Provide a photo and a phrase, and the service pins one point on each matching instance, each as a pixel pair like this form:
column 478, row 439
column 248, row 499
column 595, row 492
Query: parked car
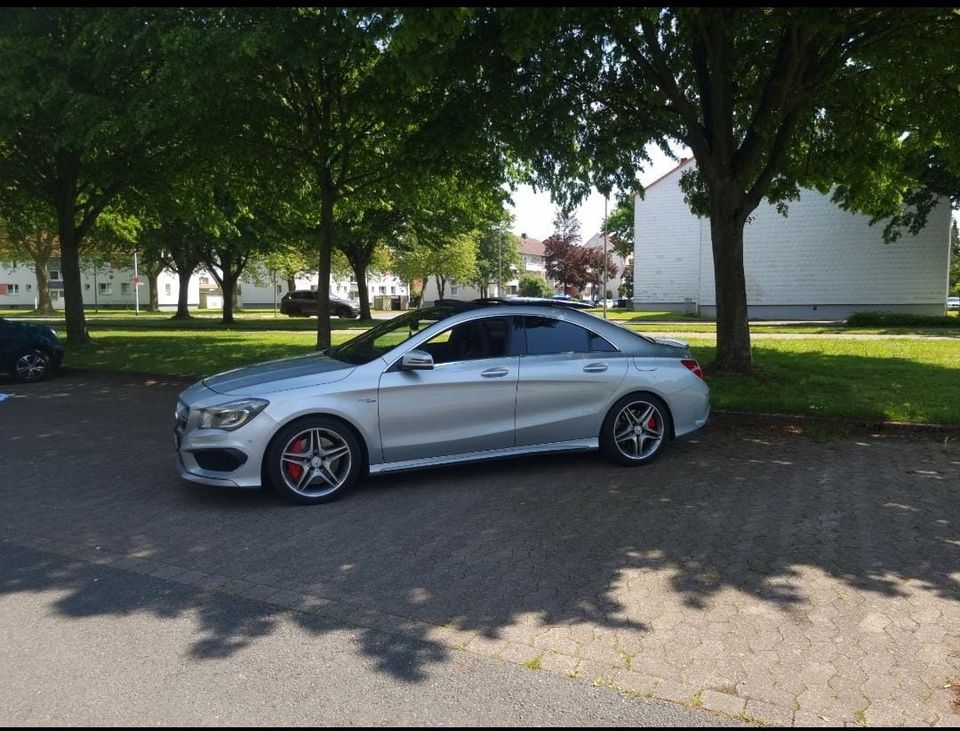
column 29, row 352
column 303, row 303
column 953, row 303
column 570, row 301
column 446, row 384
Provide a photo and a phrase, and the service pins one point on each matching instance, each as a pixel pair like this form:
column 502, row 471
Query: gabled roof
column 683, row 163
column 531, row 246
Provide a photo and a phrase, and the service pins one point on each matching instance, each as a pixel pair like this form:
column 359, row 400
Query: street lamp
column 603, row 286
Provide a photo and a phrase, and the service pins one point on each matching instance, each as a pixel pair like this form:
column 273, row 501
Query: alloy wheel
column 638, row 430
column 316, row 462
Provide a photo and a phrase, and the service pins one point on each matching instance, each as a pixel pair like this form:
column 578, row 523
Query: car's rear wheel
column 636, row 429
column 314, row 460
column 31, row 365
column 294, row 312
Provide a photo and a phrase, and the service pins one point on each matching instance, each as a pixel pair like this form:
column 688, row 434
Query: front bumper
column 245, row 446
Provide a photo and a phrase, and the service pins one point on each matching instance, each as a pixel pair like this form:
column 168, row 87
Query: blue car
column 29, row 352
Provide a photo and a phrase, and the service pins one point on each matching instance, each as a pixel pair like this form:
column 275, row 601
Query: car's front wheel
column 31, row 365
column 314, row 460
column 636, row 429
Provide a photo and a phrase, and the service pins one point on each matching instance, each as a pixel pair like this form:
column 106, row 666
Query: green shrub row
column 901, row 319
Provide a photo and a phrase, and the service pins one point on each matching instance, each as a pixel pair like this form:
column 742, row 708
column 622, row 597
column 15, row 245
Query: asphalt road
column 80, row 649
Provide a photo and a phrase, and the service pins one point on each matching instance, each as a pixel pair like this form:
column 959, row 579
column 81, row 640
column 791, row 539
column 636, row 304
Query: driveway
column 761, row 575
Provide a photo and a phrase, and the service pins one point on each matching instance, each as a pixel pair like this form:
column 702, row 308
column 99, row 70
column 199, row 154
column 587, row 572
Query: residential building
column 818, row 262
column 615, row 277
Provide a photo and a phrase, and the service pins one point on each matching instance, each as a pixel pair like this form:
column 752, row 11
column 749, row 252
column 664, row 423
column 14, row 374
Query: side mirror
column 416, row 360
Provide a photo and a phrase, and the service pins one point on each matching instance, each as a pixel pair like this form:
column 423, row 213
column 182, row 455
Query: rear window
column 546, row 336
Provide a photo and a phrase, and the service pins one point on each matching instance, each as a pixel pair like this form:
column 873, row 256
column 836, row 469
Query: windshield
column 385, row 337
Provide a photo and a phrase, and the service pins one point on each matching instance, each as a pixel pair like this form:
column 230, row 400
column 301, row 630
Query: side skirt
column 574, row 445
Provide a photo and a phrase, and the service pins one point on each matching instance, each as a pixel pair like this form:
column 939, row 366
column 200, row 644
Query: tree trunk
column 183, row 306
column 360, row 272
column 733, row 328
column 291, row 284
column 441, row 285
column 152, row 279
column 326, row 249
column 44, row 303
column 483, row 291
column 70, row 269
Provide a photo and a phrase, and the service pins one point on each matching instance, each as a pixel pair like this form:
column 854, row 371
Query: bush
column 900, row 319
column 533, row 286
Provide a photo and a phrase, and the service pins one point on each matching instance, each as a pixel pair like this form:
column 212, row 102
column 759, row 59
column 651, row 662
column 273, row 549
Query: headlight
column 232, row 415
column 182, row 412
column 56, row 335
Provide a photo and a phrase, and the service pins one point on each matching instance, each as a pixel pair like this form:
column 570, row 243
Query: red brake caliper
column 293, row 469
column 652, row 423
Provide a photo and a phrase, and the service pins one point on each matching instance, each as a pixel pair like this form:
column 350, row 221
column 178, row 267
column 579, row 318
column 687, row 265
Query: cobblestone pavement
column 756, row 574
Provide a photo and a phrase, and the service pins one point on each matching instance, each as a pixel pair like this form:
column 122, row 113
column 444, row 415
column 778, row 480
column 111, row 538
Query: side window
column 488, row 338
column 600, row 345
column 546, row 336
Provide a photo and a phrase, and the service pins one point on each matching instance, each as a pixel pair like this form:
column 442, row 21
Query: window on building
column 86, row 286
column 29, row 287
column 9, row 288
column 204, row 280
column 383, row 289
column 454, row 289
column 55, row 274
column 167, row 289
column 106, row 288
column 393, row 290
column 124, row 288
column 511, row 289
column 56, row 294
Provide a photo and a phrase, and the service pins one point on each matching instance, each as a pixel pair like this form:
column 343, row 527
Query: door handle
column 595, row 368
column 495, row 372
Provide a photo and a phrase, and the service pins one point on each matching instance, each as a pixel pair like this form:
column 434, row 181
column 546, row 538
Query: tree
column 749, row 90
column 619, row 227
column 565, row 259
column 597, row 264
column 498, row 253
column 454, row 260
column 625, row 291
column 27, row 234
column 82, row 121
column 533, row 286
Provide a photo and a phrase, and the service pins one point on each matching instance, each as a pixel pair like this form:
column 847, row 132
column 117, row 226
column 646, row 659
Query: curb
column 756, row 418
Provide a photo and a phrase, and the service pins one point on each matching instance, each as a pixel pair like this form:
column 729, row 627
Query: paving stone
column 768, row 713
column 723, row 702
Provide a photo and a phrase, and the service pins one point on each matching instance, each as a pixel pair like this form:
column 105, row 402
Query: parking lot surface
column 755, row 574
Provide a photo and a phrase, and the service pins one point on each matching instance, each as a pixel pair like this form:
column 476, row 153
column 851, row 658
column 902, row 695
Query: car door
column 568, row 376
column 465, row 403
column 8, row 333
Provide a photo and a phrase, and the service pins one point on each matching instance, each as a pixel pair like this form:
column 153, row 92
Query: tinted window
column 472, row 340
column 546, row 335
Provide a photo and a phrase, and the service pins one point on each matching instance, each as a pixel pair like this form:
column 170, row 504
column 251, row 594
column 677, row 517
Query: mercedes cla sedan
column 436, row 386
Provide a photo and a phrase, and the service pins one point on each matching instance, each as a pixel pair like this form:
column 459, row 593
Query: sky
column 534, row 212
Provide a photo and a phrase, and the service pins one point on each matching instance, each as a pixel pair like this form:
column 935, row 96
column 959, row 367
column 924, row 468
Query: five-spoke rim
column 31, row 366
column 638, row 429
column 315, row 462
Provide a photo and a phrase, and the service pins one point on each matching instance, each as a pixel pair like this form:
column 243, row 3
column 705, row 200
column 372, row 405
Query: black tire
column 31, row 365
column 640, row 450
column 294, row 312
column 290, row 476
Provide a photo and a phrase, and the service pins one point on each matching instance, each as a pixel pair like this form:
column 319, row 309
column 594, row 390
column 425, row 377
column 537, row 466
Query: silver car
column 437, row 386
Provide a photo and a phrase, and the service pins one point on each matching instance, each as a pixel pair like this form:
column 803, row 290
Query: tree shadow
column 497, row 551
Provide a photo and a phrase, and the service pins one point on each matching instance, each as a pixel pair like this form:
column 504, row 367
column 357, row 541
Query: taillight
column 693, row 366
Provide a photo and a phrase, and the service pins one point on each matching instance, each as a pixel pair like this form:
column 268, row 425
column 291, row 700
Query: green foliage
column 620, row 227
column 498, row 253
column 533, row 286
column 900, row 319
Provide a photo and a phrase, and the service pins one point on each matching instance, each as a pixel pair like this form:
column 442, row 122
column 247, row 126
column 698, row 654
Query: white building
column 112, row 286
column 819, row 262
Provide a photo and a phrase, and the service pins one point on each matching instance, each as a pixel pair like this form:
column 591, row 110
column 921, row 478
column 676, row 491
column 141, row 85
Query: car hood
column 280, row 375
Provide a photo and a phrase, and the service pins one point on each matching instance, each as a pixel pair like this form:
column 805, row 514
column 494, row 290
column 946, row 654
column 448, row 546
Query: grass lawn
column 895, row 379
column 884, row 380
